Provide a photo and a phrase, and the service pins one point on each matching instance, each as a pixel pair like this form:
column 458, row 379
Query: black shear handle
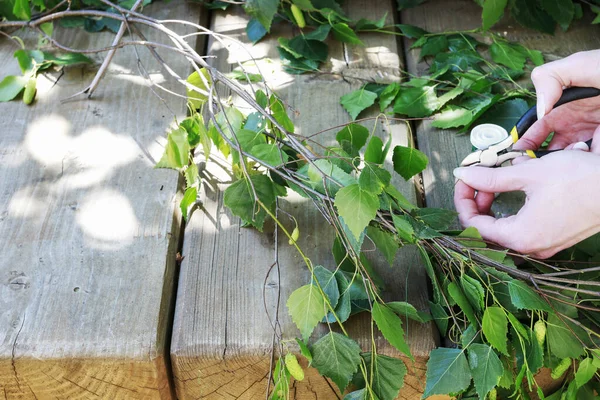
column 569, row 95
column 529, row 118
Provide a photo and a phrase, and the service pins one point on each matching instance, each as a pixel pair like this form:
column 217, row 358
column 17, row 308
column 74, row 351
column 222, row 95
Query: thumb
column 493, row 180
column 576, row 70
column 548, row 87
column 595, row 148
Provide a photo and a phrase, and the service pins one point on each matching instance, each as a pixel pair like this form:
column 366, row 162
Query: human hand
column 573, row 122
column 561, row 209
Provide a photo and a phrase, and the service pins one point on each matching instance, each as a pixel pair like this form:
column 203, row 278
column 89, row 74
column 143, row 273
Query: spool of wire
column 485, row 135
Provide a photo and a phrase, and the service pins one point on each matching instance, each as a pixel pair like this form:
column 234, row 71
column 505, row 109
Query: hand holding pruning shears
column 562, row 187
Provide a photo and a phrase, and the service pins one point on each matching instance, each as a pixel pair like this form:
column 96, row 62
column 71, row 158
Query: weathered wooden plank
column 444, row 148
column 89, row 230
column 222, row 336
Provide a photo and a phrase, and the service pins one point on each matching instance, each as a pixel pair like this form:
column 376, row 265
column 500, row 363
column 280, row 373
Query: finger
column 558, row 143
column 579, row 146
column 595, row 148
column 520, row 160
column 484, row 201
column 535, row 136
column 494, row 180
column 575, row 70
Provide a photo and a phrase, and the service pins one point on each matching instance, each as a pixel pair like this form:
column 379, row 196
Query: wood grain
column 222, row 336
column 89, row 230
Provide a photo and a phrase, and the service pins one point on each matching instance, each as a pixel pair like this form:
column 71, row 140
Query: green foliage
column 306, row 305
column 357, row 206
column 337, row 357
column 390, row 326
column 485, row 367
column 31, row 62
column 495, row 328
column 447, row 372
column 386, row 375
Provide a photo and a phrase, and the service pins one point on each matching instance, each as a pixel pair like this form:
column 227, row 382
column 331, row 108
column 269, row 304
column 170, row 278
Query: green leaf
column 336, row 357
column 314, row 50
column 452, row 117
column 191, row 175
column 367, row 24
column 247, row 140
column 240, row 199
column 562, row 11
column 457, row 295
column 177, row 150
column 386, row 375
column 66, row 58
column 328, row 283
column 22, row 10
column 352, row 138
column 434, row 45
column 262, row 10
column 357, row 101
column 447, row 372
column 203, row 136
column 416, row 101
column 196, row 98
column 407, row 310
column 404, row 229
column 320, row 33
column 255, row 30
column 522, row 296
column 408, row 161
column 388, row 95
column 492, row 12
column 597, row 11
column 411, row 31
column 473, row 291
column 304, row 350
column 279, row 113
column 11, row 86
column 505, row 114
column 245, row 77
column 440, row 317
column 343, row 307
column 385, row 243
column 585, row 372
column 189, row 199
column 373, row 178
column 360, row 394
column 530, row 15
column 486, row 368
column 24, row 59
column 306, row 306
column 439, row 219
column 495, row 328
column 503, row 53
column 390, row 326
column 344, row 33
column 270, row 154
column 325, row 168
column 358, row 207
column 374, row 151
column 400, row 198
column 560, row 338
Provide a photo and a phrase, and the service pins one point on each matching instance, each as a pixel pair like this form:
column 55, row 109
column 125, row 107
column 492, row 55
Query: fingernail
column 458, row 173
column 581, row 146
column 541, row 106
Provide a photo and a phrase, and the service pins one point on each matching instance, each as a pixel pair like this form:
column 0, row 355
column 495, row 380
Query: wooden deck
column 89, row 231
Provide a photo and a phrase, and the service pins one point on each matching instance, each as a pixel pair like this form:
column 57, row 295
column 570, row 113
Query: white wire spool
column 485, row 135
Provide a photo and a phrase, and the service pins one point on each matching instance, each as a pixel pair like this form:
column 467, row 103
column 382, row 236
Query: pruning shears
column 496, row 154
